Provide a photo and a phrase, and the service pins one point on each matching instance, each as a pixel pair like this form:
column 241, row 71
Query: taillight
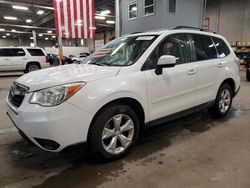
column 237, row 61
column 47, row 58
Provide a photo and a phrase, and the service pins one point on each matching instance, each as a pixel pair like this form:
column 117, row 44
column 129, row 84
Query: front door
column 175, row 89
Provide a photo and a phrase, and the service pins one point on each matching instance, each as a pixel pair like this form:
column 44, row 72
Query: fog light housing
column 48, row 144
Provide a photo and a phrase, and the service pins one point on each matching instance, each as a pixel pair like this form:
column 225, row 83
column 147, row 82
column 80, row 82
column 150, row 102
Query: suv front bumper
column 50, row 128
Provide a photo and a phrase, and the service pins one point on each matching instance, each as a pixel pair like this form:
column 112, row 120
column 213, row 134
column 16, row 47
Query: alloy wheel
column 225, row 100
column 33, row 68
column 118, row 134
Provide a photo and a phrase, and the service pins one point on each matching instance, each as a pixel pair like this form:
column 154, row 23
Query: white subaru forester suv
column 132, row 82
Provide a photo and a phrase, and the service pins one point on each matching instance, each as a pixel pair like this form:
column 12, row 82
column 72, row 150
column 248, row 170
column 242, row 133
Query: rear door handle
column 220, row 65
column 6, row 59
column 191, row 72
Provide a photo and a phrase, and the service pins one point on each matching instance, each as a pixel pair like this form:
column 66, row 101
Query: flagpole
column 117, row 18
column 60, row 53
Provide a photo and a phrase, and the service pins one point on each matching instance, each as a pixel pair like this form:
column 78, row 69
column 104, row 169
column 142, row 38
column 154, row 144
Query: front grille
column 17, row 94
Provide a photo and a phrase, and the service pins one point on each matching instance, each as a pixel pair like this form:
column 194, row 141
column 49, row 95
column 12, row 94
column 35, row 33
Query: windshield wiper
column 98, row 64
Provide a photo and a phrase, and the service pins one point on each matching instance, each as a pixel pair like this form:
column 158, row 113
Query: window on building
column 35, row 52
column 132, row 11
column 172, row 6
column 204, row 47
column 149, row 7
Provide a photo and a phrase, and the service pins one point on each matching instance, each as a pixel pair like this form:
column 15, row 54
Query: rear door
column 5, row 59
column 19, row 59
column 207, row 66
column 38, row 55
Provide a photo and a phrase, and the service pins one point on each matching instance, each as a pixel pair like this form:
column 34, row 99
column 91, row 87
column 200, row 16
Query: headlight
column 55, row 95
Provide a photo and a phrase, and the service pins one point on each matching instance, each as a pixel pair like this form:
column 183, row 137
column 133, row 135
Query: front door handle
column 220, row 65
column 191, row 72
column 6, row 59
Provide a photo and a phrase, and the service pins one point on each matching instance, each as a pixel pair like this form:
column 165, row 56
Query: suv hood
column 66, row 74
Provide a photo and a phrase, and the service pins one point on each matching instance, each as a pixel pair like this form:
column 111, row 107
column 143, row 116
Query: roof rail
column 194, row 28
column 136, row 32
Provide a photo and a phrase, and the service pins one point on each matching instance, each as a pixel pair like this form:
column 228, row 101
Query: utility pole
column 117, row 18
column 205, row 8
column 34, row 38
column 20, row 40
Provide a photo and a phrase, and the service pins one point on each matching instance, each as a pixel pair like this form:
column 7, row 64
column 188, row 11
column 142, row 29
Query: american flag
column 74, row 19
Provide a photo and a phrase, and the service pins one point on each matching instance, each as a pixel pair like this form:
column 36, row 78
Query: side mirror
column 165, row 61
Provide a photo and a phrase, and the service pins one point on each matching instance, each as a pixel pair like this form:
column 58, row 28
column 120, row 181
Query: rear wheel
column 223, row 101
column 114, row 131
column 32, row 67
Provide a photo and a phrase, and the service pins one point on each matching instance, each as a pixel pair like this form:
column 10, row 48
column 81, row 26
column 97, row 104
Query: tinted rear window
column 36, row 52
column 5, row 52
column 204, row 47
column 17, row 52
column 221, row 46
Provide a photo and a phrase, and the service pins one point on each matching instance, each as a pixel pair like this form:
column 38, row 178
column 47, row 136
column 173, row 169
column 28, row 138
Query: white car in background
column 80, row 58
column 131, row 83
column 24, row 59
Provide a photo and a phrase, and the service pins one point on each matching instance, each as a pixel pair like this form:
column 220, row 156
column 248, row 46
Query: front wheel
column 114, row 131
column 223, row 101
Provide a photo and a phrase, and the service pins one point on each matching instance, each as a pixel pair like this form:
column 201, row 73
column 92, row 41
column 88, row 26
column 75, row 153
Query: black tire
column 96, row 143
column 32, row 67
column 248, row 74
column 216, row 109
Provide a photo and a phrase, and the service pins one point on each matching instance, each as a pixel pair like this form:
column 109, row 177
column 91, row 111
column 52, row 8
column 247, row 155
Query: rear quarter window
column 221, row 46
column 36, row 52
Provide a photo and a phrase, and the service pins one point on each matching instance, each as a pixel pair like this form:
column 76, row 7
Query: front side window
column 121, row 52
column 36, row 52
column 204, row 47
column 149, row 6
column 221, row 46
column 176, row 45
column 17, row 52
column 132, row 11
column 172, row 6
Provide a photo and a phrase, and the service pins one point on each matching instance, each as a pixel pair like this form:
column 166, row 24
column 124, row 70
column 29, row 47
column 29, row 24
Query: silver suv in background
column 24, row 59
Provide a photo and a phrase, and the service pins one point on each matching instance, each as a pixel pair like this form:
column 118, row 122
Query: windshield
column 121, row 52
